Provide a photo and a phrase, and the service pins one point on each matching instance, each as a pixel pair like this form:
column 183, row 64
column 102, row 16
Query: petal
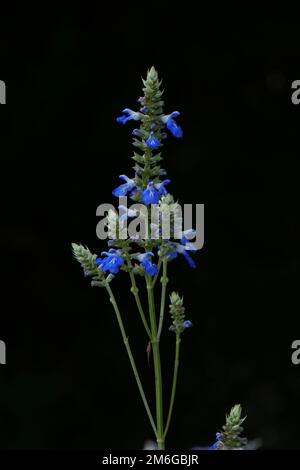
column 125, row 178
column 174, row 129
column 189, row 259
column 121, row 190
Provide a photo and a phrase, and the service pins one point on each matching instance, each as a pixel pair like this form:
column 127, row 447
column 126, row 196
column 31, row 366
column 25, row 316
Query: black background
column 69, row 72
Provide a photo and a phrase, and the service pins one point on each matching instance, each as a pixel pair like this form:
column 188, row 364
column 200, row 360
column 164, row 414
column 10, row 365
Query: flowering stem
column 176, row 365
column 132, row 362
column 157, row 366
column 164, row 281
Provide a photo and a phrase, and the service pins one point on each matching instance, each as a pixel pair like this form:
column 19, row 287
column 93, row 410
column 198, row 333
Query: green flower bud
column 88, row 264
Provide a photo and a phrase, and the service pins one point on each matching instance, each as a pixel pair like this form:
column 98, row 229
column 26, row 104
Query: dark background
column 69, row 72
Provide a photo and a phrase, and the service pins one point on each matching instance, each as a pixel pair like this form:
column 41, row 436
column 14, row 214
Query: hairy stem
column 164, row 281
column 157, row 366
column 135, row 291
column 176, row 365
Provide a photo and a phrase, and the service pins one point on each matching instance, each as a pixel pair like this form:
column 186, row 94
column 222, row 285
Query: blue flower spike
column 177, row 311
column 141, row 255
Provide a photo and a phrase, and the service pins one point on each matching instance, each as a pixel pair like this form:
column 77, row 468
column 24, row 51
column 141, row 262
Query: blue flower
column 218, row 443
column 152, row 142
column 154, row 191
column 172, row 125
column 188, row 258
column 215, row 446
column 185, row 324
column 136, row 116
column 161, row 187
column 182, row 248
column 150, row 195
column 123, row 189
column 112, row 262
column 148, row 266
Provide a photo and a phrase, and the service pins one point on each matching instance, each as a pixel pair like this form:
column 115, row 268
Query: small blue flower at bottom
column 147, row 264
column 185, row 324
column 218, row 444
column 131, row 115
column 215, row 446
column 152, row 142
column 171, row 125
column 123, row 189
column 112, row 261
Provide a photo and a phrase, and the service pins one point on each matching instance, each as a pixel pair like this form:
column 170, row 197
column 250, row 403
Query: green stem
column 176, row 364
column 158, row 267
column 164, row 281
column 157, row 366
column 135, row 291
column 132, row 362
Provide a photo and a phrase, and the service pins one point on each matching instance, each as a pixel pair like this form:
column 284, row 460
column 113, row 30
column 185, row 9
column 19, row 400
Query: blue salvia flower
column 172, row 125
column 150, row 195
column 123, row 189
column 182, row 248
column 129, row 115
column 152, row 142
column 112, row 261
column 147, row 264
column 161, row 187
column 215, row 446
column 154, row 191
